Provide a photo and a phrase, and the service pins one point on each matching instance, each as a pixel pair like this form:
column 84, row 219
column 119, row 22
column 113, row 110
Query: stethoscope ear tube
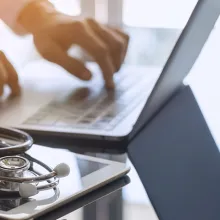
column 25, row 140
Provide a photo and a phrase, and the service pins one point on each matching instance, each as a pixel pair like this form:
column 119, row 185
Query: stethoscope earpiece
column 62, row 170
column 27, row 190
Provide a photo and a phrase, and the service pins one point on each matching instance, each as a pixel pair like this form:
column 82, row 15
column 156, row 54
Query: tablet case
column 178, row 162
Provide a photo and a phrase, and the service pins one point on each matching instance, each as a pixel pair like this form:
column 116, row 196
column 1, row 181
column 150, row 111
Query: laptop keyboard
column 102, row 110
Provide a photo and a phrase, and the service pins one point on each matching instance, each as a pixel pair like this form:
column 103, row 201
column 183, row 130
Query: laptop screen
column 181, row 59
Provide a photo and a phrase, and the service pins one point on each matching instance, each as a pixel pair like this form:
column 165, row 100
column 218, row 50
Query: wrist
column 35, row 15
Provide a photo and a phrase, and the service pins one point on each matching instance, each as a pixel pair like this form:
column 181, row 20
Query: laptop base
column 81, row 144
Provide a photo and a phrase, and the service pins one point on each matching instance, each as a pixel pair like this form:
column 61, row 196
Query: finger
column 12, row 76
column 121, row 33
column 52, row 52
column 116, row 43
column 3, row 77
column 125, row 37
column 100, row 52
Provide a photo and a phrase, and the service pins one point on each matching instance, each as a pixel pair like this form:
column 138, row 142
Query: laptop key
column 31, row 122
column 38, row 116
column 48, row 120
column 92, row 115
column 84, row 121
column 66, row 121
column 104, row 120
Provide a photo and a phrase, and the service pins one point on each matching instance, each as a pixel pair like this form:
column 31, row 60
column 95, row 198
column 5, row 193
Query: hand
column 8, row 76
column 54, row 33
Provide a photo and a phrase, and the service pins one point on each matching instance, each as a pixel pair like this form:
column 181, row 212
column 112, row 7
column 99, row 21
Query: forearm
column 9, row 12
column 36, row 14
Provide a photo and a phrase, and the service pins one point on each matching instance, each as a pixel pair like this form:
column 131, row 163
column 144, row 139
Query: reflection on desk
column 72, row 209
column 129, row 203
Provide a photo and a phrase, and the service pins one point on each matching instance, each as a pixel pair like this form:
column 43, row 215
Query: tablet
column 67, row 212
column 86, row 174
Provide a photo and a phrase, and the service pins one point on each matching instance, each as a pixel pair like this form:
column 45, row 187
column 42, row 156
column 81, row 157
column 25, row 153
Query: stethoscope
column 17, row 173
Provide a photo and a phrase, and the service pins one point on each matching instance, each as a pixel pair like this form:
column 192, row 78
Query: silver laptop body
column 53, row 103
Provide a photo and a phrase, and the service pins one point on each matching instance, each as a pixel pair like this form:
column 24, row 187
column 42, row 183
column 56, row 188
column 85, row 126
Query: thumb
column 3, row 77
column 10, row 74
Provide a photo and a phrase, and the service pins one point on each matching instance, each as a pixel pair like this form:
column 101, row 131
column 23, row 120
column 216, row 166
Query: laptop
column 89, row 115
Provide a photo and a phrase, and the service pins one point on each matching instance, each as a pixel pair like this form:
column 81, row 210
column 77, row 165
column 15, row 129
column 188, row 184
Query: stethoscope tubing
column 15, row 134
column 51, row 184
column 29, row 179
column 48, row 186
column 25, row 143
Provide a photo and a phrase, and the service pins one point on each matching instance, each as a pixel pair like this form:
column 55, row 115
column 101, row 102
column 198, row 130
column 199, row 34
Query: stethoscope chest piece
column 12, row 166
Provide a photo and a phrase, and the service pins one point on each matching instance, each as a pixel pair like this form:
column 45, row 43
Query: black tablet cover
column 178, row 162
